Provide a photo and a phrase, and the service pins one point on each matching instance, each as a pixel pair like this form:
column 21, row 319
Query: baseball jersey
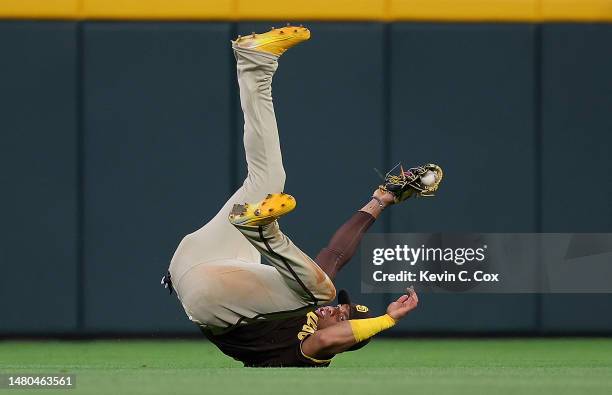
column 270, row 343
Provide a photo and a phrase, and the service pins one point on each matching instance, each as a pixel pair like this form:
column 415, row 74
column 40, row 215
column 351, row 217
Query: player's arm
column 338, row 338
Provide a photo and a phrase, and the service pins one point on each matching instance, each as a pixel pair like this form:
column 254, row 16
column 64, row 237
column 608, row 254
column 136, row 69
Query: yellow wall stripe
column 465, row 10
column 312, row 9
column 159, row 9
column 39, row 8
column 368, row 10
column 577, row 10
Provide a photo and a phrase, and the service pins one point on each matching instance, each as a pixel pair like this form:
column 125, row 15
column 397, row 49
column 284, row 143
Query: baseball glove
column 419, row 181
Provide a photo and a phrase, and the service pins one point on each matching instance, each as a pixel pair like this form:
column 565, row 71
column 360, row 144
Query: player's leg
column 218, row 239
column 257, row 222
column 297, row 269
column 256, row 62
column 222, row 285
column 222, row 293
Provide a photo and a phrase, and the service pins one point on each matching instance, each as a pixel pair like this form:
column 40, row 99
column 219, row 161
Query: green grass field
column 521, row 366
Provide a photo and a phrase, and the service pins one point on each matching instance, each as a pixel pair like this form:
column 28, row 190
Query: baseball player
column 277, row 314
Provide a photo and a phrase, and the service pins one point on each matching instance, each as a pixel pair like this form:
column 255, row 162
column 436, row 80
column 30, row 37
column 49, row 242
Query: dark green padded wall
column 157, row 159
column 577, row 165
column 161, row 151
column 577, row 128
column 462, row 96
column 38, row 177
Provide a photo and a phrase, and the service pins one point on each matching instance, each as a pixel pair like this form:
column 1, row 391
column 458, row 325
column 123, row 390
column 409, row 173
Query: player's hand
column 403, row 305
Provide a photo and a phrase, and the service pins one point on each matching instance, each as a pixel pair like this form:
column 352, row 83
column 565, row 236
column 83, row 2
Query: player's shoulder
column 308, row 325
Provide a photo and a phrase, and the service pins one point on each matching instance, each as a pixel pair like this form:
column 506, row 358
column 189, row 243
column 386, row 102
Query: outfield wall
column 120, row 137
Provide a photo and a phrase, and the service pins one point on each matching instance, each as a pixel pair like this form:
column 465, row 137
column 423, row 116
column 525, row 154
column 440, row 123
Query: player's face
column 332, row 315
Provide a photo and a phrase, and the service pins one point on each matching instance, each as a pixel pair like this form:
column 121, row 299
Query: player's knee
column 326, row 292
column 261, row 85
column 185, row 243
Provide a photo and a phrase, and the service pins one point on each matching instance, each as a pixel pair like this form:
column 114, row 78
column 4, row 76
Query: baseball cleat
column 418, row 181
column 276, row 41
column 268, row 210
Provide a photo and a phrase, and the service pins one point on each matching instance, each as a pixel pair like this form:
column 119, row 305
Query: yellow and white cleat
column 276, row 41
column 268, row 210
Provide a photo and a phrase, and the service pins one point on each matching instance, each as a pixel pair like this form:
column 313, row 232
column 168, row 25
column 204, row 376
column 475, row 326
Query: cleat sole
column 276, row 205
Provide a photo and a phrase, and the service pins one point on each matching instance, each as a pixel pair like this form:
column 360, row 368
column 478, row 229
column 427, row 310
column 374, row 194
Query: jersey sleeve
column 308, row 359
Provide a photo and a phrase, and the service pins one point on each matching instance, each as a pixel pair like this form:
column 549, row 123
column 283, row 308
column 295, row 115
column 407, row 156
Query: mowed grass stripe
column 499, row 366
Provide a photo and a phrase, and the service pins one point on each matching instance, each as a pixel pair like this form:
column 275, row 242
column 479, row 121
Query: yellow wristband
column 368, row 327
